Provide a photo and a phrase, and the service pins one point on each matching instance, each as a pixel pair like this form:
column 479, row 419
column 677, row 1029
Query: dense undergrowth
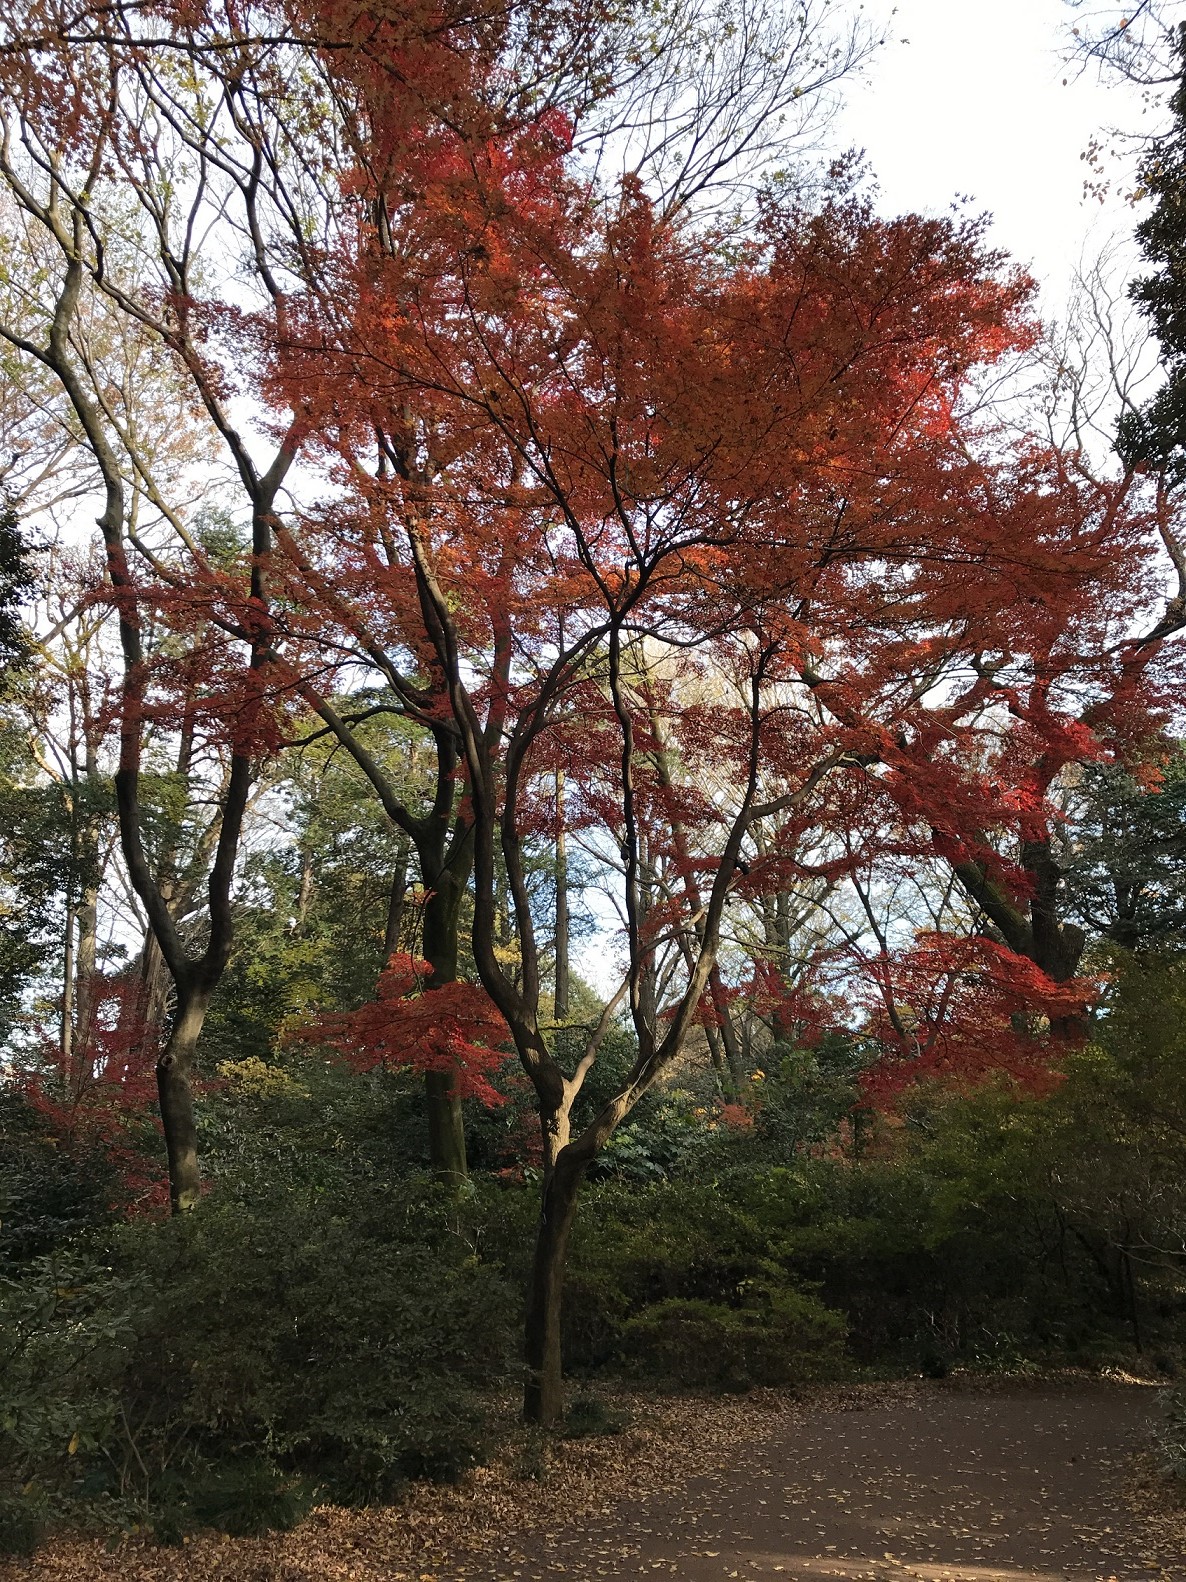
column 332, row 1322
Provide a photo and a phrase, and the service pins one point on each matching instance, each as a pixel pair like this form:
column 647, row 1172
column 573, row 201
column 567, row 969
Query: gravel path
column 942, row 1487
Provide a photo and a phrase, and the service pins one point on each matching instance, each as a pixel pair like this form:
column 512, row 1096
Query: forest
column 592, row 793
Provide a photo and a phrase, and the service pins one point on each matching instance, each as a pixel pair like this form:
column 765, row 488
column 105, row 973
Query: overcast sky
column 974, row 104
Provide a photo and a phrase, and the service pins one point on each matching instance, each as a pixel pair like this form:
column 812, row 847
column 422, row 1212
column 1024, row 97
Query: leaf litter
column 550, row 1506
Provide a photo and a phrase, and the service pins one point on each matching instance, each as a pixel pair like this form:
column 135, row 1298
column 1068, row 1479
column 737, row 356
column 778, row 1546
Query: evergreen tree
column 1156, row 434
column 15, row 581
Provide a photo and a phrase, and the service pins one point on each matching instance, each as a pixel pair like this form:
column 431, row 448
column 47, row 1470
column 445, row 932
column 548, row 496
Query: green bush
column 648, row 1265
column 68, row 1331
column 221, row 1368
column 47, row 1192
column 779, row 1337
column 588, row 1417
column 24, row 1520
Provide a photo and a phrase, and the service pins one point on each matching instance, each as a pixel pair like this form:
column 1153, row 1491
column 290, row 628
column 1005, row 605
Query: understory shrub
column 48, row 1192
column 677, row 1282
column 223, row 1368
column 779, row 1337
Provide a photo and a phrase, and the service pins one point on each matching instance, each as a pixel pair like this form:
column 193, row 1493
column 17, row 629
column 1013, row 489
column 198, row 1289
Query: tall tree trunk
column 152, row 1001
column 174, row 1078
column 396, row 899
column 543, row 1396
column 720, row 1003
column 717, row 1056
column 79, row 965
column 446, row 1127
column 86, row 967
column 560, row 1006
column 69, row 985
column 304, row 890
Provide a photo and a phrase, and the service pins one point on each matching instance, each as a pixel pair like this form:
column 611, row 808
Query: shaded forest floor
column 960, row 1481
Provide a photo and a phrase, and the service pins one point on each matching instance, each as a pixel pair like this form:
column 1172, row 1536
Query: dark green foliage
column 226, row 1367
column 778, row 1336
column 643, row 1264
column 48, row 857
column 667, row 1139
column 299, row 1122
column 68, row 1331
column 15, row 581
column 990, row 1231
column 1157, row 434
column 46, row 1193
column 245, row 1496
column 1125, row 877
column 24, row 1520
column 806, row 1095
column 588, row 1417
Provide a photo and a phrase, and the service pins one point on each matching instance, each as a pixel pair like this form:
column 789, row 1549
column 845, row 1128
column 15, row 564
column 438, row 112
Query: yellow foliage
column 253, row 1078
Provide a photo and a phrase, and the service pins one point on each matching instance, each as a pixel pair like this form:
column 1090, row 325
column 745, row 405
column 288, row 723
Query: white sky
column 973, row 105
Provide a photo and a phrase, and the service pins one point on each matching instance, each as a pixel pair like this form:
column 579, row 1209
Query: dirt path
column 942, row 1487
column 899, row 1482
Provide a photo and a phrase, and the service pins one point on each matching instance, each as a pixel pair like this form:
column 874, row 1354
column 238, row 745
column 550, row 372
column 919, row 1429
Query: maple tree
column 242, row 150
column 685, row 514
column 62, row 173
column 572, row 428
column 454, row 1030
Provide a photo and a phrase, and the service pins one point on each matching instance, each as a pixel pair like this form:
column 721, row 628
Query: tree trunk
column 446, row 1127
column 174, row 1078
column 69, row 985
column 560, row 1007
column 304, row 891
column 85, row 972
column 733, row 1059
column 152, row 999
column 543, row 1397
column 396, row 899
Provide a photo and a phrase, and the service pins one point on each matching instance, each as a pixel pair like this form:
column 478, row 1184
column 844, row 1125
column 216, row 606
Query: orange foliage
column 105, row 1102
column 957, row 1009
column 453, row 1029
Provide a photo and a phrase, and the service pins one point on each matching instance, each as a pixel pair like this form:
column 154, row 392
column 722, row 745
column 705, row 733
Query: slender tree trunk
column 66, row 1031
column 543, row 1398
column 153, row 994
column 717, row 1056
column 728, row 1032
column 304, row 891
column 446, row 1127
column 174, row 1077
column 85, row 969
column 396, row 898
column 560, row 1009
